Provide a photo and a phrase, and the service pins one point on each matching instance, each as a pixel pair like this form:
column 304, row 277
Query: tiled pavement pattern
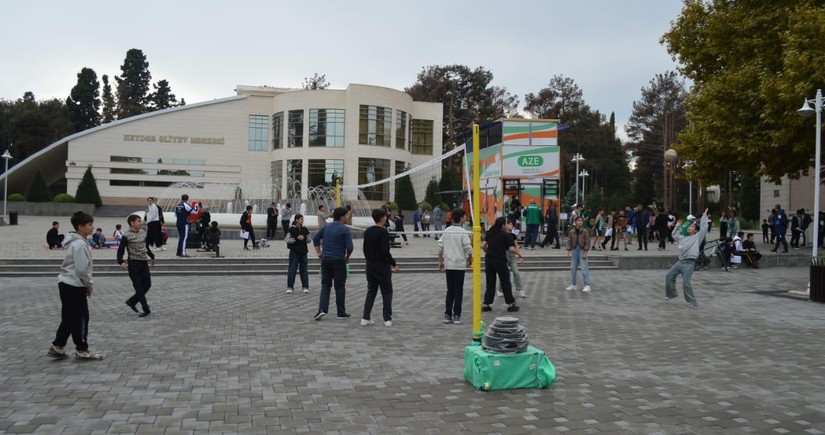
column 237, row 355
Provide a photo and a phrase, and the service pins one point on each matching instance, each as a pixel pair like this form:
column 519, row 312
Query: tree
column 748, row 197
column 133, row 85
column 652, row 127
column 84, row 101
column 405, row 194
column 316, row 82
column 109, row 104
column 594, row 200
column 32, row 125
column 431, row 195
column 87, row 192
column 38, row 191
column 162, row 98
column 751, row 64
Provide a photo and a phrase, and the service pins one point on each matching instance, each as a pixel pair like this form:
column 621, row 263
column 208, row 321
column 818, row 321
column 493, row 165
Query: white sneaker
column 162, row 248
column 289, row 291
column 388, row 323
column 571, row 287
column 365, row 322
column 499, row 294
column 586, row 288
column 522, row 294
column 306, row 290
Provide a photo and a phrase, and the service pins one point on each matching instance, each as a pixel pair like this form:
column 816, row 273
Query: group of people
column 97, row 240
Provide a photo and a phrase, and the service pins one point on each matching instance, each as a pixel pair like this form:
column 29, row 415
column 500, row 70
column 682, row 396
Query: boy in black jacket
column 137, row 243
column 380, row 266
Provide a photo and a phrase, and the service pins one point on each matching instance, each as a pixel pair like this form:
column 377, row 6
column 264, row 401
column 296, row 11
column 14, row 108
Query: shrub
column 87, row 192
column 16, row 197
column 63, row 197
column 393, row 205
column 426, row 206
column 38, row 191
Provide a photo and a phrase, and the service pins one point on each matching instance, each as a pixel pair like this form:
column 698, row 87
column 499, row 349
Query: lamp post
column 690, row 187
column 577, row 158
column 806, row 110
column 583, row 174
column 6, row 156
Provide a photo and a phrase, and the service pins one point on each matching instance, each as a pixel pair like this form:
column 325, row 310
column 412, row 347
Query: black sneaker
column 513, row 308
column 486, row 308
column 57, row 354
column 448, row 319
column 132, row 306
column 456, row 320
column 344, row 316
column 144, row 314
column 320, row 316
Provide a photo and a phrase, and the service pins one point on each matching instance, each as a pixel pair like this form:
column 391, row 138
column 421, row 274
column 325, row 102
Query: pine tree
column 163, row 98
column 84, row 101
column 405, row 194
column 133, row 85
column 432, row 196
column 38, row 191
column 317, row 81
column 87, row 192
column 109, row 104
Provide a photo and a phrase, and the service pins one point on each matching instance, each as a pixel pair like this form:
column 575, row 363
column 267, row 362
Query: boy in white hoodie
column 75, row 284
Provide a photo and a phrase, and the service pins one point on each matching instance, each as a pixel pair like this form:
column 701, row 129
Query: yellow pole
column 337, row 192
column 475, row 198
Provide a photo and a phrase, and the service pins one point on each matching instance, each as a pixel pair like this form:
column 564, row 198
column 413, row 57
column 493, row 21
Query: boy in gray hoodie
column 75, row 284
column 688, row 252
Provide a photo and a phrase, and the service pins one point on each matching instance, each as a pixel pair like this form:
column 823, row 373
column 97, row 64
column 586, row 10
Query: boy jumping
column 136, row 241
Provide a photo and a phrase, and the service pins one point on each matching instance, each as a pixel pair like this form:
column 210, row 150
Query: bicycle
column 705, row 255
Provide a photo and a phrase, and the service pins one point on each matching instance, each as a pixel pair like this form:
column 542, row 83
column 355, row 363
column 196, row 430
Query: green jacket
column 532, row 215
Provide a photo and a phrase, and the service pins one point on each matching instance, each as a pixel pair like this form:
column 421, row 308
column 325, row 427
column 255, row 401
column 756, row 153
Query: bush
column 393, row 205
column 63, row 197
column 87, row 192
column 16, row 197
column 426, row 206
column 38, row 191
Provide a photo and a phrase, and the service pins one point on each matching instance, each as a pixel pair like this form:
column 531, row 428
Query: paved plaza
column 238, row 355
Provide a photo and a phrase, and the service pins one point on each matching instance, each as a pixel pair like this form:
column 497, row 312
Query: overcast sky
column 204, row 48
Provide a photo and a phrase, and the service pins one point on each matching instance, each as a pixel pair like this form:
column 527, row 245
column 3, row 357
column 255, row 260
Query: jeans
column 379, row 275
column 297, row 261
column 532, row 235
column 512, row 263
column 780, row 238
column 333, row 270
column 455, row 292
column 141, row 281
column 495, row 267
column 577, row 257
column 74, row 317
column 685, row 268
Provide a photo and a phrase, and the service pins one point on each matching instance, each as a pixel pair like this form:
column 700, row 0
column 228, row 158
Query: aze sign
column 530, row 161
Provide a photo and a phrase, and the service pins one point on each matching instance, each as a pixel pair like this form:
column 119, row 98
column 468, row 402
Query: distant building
column 791, row 195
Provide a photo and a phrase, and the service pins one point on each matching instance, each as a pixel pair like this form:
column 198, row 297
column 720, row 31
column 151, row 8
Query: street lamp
column 577, row 158
column 688, row 164
column 6, row 156
column 806, row 110
column 583, row 174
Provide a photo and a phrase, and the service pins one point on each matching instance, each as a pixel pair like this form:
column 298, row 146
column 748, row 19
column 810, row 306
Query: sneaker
column 448, row 319
column 691, row 305
column 571, row 287
column 144, row 314
column 344, row 316
column 365, row 322
column 85, row 355
column 320, row 316
column 306, row 290
column 388, row 323
column 486, row 308
column 289, row 291
column 667, row 298
column 513, row 308
column 586, row 288
column 521, row 294
column 132, row 306
column 162, row 248
column 499, row 293
column 456, row 320
column 57, row 354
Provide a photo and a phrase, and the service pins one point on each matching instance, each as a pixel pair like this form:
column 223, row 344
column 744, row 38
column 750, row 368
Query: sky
column 205, row 48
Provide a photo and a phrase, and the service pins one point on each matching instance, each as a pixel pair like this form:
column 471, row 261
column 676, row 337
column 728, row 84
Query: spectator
column 54, row 238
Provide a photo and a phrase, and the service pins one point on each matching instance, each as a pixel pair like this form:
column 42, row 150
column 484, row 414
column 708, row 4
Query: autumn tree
column 133, row 85
column 751, row 64
column 84, row 102
column 109, row 105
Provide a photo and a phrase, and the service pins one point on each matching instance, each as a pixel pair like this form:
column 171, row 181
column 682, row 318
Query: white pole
column 690, row 196
column 5, row 189
column 818, row 107
column 577, row 178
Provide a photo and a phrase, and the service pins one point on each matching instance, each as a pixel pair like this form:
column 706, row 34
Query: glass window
column 324, row 172
column 157, row 160
column 370, row 170
column 296, row 128
column 326, row 128
column 401, row 129
column 258, row 132
column 375, row 125
column 294, row 173
column 277, row 131
column 421, row 136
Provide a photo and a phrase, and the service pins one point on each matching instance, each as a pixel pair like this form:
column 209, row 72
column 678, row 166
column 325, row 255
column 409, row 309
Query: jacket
column 76, row 269
column 455, row 247
column 580, row 238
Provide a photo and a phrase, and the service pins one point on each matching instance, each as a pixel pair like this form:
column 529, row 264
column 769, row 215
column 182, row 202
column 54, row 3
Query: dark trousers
column 183, row 234
column 141, row 281
column 532, row 235
column 455, row 292
column 795, row 233
column 57, row 242
column 251, row 232
column 271, row 229
column 641, row 234
column 497, row 267
column 780, row 238
column 379, row 275
column 333, row 270
column 285, row 225
column 663, row 235
column 74, row 317
column 297, row 261
column 153, row 233
column 552, row 234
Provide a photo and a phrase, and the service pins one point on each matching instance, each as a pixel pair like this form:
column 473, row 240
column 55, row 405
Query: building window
column 326, row 128
column 294, row 173
column 276, row 172
column 258, row 132
column 375, row 126
column 421, row 137
column 776, row 194
column 172, row 172
column 278, row 131
column 324, row 172
column 157, row 160
column 401, row 129
column 296, row 128
column 371, row 170
column 135, row 183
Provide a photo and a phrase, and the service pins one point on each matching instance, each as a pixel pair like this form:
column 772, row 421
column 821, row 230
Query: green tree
column 163, row 98
column 751, row 64
column 405, row 194
column 431, row 196
column 87, row 192
column 38, row 191
column 32, row 125
column 748, row 197
column 109, row 103
column 317, row 81
column 594, row 200
column 133, row 85
column 84, row 101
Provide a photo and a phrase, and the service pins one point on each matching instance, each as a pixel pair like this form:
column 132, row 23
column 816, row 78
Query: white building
column 288, row 139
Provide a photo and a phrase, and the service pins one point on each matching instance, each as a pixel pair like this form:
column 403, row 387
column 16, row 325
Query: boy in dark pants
column 75, row 284
column 380, row 266
column 137, row 243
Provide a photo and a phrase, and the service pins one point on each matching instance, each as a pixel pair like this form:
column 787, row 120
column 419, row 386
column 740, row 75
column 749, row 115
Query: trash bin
column 12, row 218
column 817, row 279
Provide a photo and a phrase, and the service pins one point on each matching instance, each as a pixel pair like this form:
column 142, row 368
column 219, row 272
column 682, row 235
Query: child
column 118, row 234
column 75, row 284
column 213, row 237
column 54, row 238
column 137, row 243
column 98, row 241
column 765, row 228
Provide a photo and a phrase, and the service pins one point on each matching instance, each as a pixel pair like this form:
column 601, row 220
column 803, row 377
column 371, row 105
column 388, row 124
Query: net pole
column 474, row 195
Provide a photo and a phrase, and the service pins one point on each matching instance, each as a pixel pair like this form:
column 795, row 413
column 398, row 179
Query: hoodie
column 689, row 245
column 76, row 269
